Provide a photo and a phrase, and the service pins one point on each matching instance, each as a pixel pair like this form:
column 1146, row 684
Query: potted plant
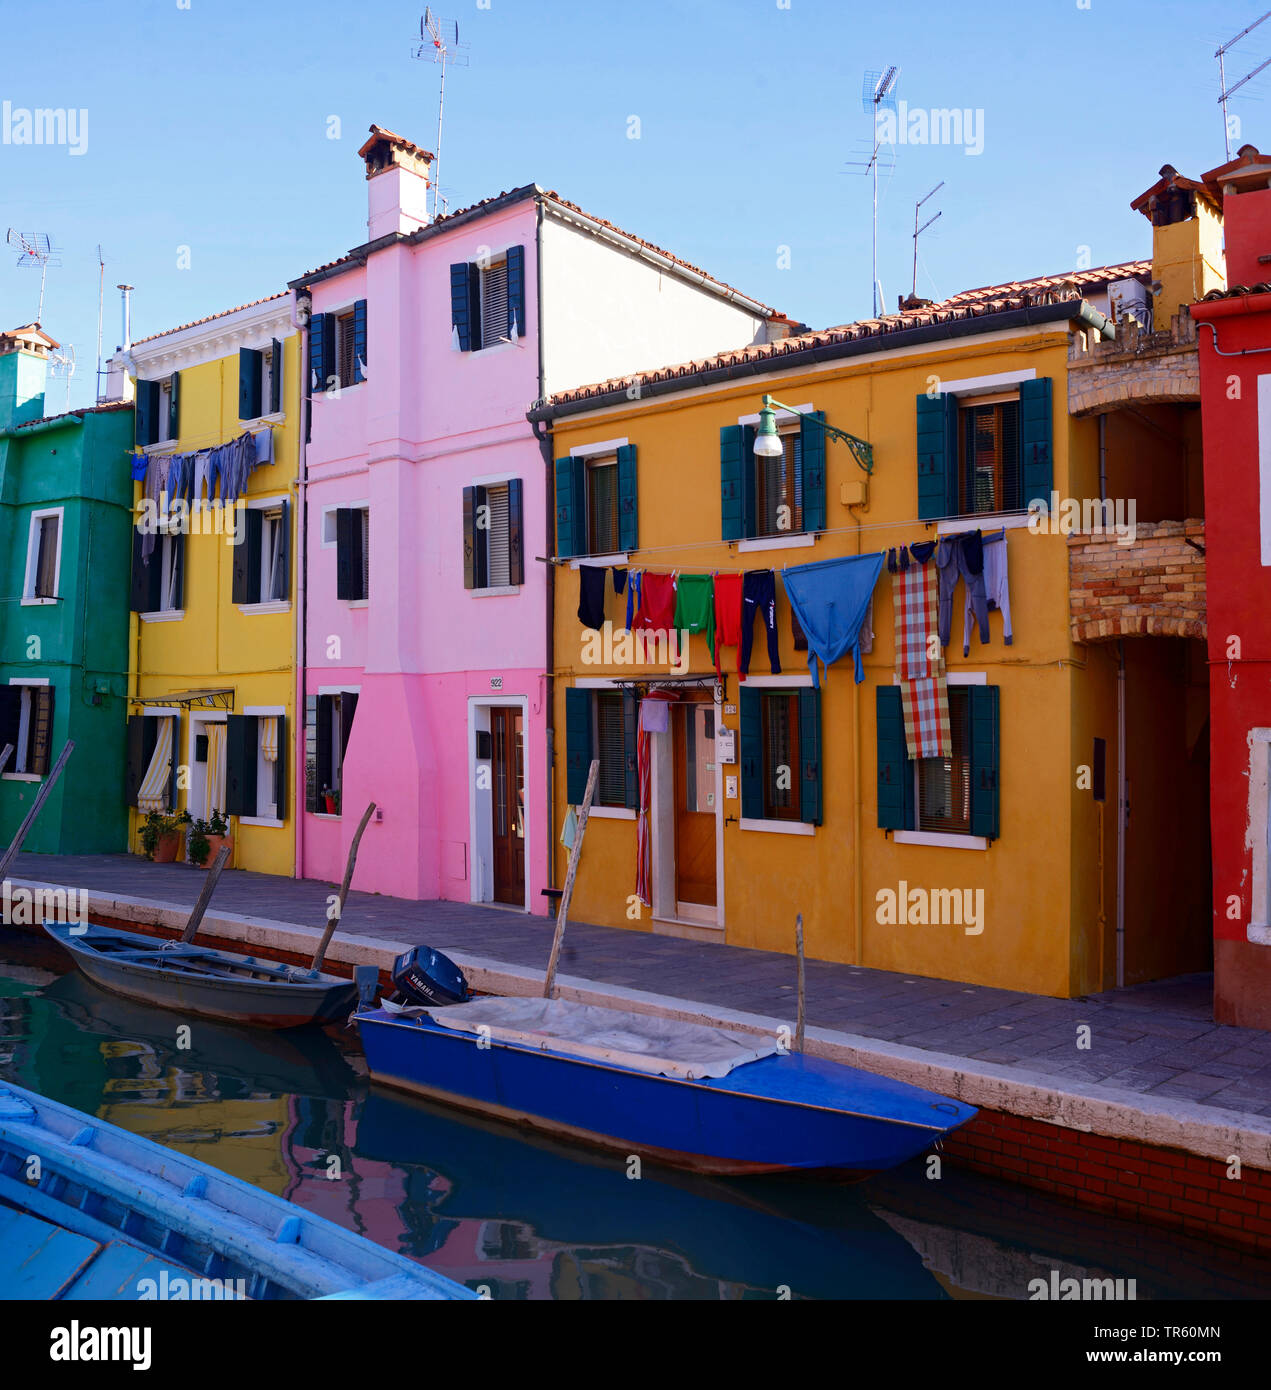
column 331, row 801
column 204, row 839
column 161, row 835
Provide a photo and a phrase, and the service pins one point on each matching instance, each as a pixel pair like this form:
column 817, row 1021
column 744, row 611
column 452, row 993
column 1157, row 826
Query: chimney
column 1186, row 242
column 24, row 355
column 1243, row 190
column 397, row 178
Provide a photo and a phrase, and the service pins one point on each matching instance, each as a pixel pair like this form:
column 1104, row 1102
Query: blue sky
column 208, row 129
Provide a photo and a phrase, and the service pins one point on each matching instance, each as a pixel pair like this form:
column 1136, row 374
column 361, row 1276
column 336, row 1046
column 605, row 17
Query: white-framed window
column 273, row 578
column 494, row 303
column 169, row 548
column 271, row 763
column 27, row 720
column 43, row 556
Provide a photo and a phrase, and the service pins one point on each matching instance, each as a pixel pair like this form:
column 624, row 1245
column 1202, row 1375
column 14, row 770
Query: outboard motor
column 425, row 976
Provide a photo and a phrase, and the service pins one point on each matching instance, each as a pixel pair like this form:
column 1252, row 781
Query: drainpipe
column 302, row 590
column 1103, row 458
column 1122, row 814
column 544, row 438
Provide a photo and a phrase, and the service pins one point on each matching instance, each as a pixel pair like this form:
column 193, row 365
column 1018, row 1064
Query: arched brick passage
column 1152, row 588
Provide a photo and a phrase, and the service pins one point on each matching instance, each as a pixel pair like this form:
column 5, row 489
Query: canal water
column 520, row 1218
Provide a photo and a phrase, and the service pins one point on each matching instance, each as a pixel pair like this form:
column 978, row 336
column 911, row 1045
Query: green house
column 65, row 518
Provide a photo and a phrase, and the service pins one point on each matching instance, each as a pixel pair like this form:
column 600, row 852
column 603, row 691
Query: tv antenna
column 878, row 93
column 1220, row 53
column 918, row 231
column 439, row 43
column 35, row 249
column 62, row 363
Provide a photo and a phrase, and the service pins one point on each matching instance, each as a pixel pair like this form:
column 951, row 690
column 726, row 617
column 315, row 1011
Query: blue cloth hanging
column 830, row 599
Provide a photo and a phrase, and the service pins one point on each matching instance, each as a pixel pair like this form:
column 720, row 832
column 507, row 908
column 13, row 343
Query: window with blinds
column 498, row 547
column 944, row 784
column 778, row 486
column 780, row 755
column 611, row 782
column 272, row 579
column 989, row 463
column 602, row 505
column 494, row 304
column 346, row 349
column 366, row 552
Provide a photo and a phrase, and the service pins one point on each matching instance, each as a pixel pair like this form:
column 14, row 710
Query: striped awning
column 216, row 698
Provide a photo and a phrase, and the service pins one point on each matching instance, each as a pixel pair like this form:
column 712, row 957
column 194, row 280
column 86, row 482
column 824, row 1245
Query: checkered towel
column 924, row 691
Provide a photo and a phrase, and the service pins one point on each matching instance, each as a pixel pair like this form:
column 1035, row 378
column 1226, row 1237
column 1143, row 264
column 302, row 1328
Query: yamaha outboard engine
column 425, row 976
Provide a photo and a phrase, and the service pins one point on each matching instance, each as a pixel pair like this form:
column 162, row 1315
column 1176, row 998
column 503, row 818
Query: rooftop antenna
column 919, row 230
column 1225, row 91
column 63, row 364
column 101, row 301
column 877, row 94
column 439, row 43
column 35, row 249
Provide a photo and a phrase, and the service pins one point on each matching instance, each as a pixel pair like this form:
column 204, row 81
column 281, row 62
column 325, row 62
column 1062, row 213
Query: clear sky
column 208, row 126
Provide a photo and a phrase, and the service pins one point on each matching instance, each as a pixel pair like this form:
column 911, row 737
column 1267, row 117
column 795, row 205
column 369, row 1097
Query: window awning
column 189, row 699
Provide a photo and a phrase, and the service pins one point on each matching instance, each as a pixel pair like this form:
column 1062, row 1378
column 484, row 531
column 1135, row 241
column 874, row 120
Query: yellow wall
column 216, row 644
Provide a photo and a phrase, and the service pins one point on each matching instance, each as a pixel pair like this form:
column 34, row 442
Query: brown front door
column 507, row 805
column 694, row 727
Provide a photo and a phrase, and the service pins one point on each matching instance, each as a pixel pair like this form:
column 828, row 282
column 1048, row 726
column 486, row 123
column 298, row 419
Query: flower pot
column 331, row 808
column 165, row 852
column 214, row 843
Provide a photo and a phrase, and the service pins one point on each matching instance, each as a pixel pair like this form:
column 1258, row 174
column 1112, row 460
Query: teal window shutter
column 359, row 340
column 571, row 529
column 812, row 454
column 249, row 374
column 750, row 760
column 810, row 800
column 985, row 760
column 461, row 320
column 516, row 531
column 896, row 801
column 174, row 406
column 516, row 290
column 275, row 377
column 147, row 416
column 578, row 743
column 630, row 712
column 321, row 352
column 937, row 456
column 628, row 499
column 732, row 482
column 471, row 501
column 1037, row 470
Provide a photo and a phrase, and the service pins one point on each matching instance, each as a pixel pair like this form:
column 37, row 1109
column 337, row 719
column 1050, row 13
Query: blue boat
column 672, row 1093
column 89, row 1211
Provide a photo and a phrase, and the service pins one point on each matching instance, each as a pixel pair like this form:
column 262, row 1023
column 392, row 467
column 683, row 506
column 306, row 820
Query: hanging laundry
column 962, row 555
column 204, row 482
column 924, row 691
column 829, row 598
column 996, row 592
column 619, row 580
column 758, row 599
column 657, row 602
column 655, row 715
column 923, row 551
column 867, row 629
column 633, row 598
column 695, row 606
column 155, row 492
column 728, row 593
column 140, row 462
column 264, row 440
column 591, row 595
column 569, row 830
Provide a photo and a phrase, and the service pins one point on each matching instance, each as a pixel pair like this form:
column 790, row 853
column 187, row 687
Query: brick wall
column 1155, row 587
column 1135, row 367
column 1131, row 1180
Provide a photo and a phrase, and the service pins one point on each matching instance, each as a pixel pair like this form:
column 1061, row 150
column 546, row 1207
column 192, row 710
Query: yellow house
column 1001, row 860
column 212, row 670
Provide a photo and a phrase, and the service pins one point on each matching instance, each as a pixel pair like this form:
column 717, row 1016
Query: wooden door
column 507, row 805
column 694, row 729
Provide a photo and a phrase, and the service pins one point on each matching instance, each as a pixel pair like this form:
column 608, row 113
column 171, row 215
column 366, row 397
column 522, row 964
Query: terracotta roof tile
column 195, row 323
column 104, row 408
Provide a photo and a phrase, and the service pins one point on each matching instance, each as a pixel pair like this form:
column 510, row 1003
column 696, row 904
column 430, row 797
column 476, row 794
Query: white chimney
column 397, row 179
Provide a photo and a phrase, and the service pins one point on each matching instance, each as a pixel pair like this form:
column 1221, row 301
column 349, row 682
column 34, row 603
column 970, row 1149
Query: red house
column 1234, row 332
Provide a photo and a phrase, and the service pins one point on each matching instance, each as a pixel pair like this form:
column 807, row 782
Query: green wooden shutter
column 750, row 759
column 284, row 547
column 174, row 762
column 462, row 318
column 359, row 340
column 177, row 541
column 812, row 455
column 241, row 744
column 470, row 505
column 41, row 729
column 137, row 758
column 10, row 719
column 516, row 532
column 732, row 482
column 321, row 352
column 246, row 581
column 147, row 413
column 144, row 595
column 280, row 770
column 578, row 743
column 896, row 802
column 937, row 456
column 628, row 499
column 250, row 363
column 630, row 760
column 313, row 785
column 174, row 406
column 516, row 290
column 348, row 575
column 810, row 798
column 1037, row 470
column 276, row 377
column 571, row 529
column 985, row 760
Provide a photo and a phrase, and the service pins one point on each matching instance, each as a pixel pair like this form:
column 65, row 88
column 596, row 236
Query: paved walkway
column 1157, row 1039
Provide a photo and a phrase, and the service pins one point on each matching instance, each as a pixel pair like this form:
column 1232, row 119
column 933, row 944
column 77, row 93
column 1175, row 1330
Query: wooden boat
column 199, row 980
column 673, row 1093
column 112, row 1215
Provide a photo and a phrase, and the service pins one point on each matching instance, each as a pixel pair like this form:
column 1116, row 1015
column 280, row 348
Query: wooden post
column 36, row 806
column 5, row 756
column 333, row 920
column 549, row 980
column 205, row 897
column 798, row 948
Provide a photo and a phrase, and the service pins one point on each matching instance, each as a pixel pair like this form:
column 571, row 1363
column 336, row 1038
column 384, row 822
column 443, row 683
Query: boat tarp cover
column 660, row 1046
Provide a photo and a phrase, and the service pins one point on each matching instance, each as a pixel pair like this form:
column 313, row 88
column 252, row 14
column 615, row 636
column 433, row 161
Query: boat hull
column 778, row 1114
column 189, row 983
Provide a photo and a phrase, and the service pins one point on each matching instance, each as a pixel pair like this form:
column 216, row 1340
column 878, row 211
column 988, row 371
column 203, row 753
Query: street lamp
column 768, row 439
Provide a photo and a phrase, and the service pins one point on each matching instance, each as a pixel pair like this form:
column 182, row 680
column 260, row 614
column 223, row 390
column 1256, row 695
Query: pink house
column 425, row 506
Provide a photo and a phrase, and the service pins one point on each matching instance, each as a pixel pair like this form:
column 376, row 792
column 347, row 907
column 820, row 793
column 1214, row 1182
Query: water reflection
column 527, row 1217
